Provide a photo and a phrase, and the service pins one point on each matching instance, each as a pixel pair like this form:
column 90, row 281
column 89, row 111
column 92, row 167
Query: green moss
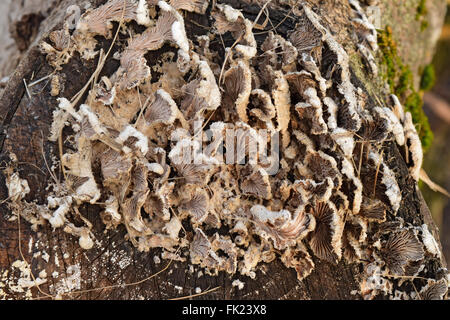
column 421, row 9
column 401, row 82
column 423, row 25
column 405, row 79
column 390, row 57
column 428, row 78
column 421, row 15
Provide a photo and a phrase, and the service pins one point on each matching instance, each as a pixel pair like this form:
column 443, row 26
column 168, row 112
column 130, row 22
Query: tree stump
column 114, row 268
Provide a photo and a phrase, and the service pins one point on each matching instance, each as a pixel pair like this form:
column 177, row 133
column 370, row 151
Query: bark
column 25, row 124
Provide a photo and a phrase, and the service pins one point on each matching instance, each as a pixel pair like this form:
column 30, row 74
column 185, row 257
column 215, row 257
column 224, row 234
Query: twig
column 401, row 277
column 432, row 185
column 376, row 173
column 26, row 89
column 143, row 106
column 32, row 165
column 115, row 285
column 40, row 80
column 45, row 161
column 274, row 28
column 196, row 295
column 360, row 159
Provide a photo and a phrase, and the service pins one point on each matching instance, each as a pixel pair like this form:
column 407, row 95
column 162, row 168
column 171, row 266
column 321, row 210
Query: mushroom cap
column 60, row 39
column 354, row 238
column 263, row 106
column 238, row 86
column 278, row 52
column 373, row 210
column 414, row 147
column 434, row 290
column 197, row 6
column 400, row 249
column 306, row 37
column 322, row 166
column 195, row 169
column 163, row 110
column 196, row 205
column 228, row 19
column 98, row 21
column 257, row 184
column 202, row 93
column 325, row 239
column 134, row 70
column 282, row 227
column 299, row 81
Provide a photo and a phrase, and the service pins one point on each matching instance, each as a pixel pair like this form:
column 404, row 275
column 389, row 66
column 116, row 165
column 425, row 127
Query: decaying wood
column 105, row 271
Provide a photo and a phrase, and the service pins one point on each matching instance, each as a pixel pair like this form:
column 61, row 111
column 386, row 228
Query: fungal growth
column 273, row 142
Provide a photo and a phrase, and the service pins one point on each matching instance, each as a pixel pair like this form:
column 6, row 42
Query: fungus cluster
column 139, row 152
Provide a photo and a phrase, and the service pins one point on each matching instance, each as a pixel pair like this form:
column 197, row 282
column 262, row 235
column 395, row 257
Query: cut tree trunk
column 25, row 123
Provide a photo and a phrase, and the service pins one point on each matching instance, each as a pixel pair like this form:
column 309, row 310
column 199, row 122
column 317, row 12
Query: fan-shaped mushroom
column 279, row 53
column 80, row 165
column 257, row 184
column 284, row 228
column 353, row 237
column 169, row 27
column 238, row 86
column 388, row 180
column 163, row 110
column 400, row 249
column 197, row 6
column 61, row 52
column 310, row 189
column 373, row 210
column 98, row 21
column 434, row 290
column 325, row 239
column 196, row 204
column 307, row 38
column 366, row 30
column 322, row 166
column 202, row 93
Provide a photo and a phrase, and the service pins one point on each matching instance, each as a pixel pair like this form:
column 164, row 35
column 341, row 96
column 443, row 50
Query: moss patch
column 401, row 82
column 428, row 78
column 421, row 9
column 421, row 15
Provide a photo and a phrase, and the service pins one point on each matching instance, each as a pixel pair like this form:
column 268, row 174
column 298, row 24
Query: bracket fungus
column 325, row 239
column 400, row 249
column 139, row 153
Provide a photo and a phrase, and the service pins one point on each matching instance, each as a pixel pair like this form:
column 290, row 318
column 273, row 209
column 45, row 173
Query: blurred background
column 437, row 158
column 14, row 15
